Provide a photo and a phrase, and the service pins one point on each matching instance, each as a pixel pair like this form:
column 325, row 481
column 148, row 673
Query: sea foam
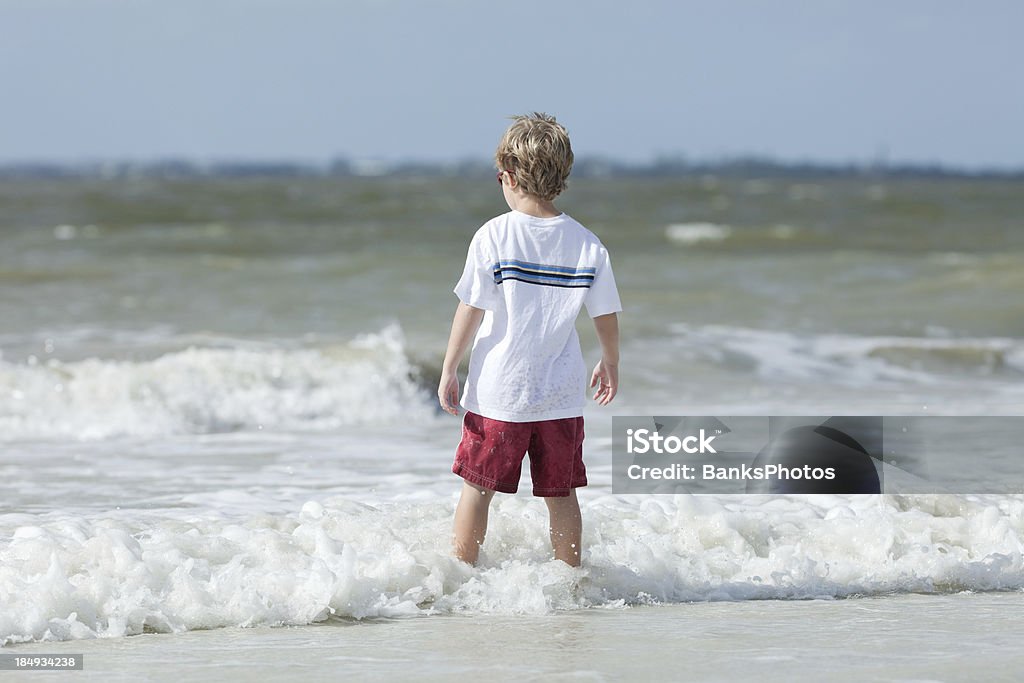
column 854, row 360
column 204, row 390
column 107, row 576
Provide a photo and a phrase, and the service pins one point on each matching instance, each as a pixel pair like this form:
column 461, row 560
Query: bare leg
column 566, row 528
column 471, row 521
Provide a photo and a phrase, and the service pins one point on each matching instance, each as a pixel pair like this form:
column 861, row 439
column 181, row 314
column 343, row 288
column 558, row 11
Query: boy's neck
column 535, row 206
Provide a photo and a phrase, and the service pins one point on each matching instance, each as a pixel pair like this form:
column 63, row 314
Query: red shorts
column 491, row 454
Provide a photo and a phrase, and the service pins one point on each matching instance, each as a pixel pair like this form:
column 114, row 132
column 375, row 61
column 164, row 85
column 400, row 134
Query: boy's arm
column 606, row 372
column 464, row 325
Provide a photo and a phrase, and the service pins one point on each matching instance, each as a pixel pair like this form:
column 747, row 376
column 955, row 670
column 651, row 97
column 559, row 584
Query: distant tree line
column 594, row 167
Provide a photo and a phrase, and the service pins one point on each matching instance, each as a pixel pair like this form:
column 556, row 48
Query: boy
column 527, row 274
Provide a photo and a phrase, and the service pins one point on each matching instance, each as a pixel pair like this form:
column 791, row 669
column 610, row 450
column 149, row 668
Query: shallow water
column 958, row 637
column 216, row 410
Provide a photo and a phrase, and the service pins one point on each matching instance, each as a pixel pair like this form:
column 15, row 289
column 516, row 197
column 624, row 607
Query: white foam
column 691, row 233
column 76, row 577
column 199, row 390
column 851, row 360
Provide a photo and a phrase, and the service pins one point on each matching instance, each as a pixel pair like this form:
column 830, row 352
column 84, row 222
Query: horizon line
column 588, row 166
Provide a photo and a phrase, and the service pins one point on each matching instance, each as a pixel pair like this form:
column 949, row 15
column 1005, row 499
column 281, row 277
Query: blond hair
column 536, row 148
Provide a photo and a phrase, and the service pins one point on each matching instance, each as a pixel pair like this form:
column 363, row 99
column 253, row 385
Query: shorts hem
column 560, row 492
column 480, row 480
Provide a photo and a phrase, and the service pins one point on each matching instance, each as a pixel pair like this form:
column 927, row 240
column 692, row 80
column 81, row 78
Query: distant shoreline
column 744, row 167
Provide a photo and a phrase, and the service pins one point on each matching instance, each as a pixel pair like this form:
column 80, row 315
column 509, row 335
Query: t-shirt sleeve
column 477, row 287
column 602, row 296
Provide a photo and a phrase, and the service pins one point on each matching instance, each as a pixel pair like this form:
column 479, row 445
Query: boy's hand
column 448, row 393
column 606, row 379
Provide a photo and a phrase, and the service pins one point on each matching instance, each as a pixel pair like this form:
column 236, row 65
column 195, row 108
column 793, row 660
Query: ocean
column 219, row 433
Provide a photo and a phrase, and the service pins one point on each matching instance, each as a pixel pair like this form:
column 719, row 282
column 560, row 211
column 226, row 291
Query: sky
column 915, row 81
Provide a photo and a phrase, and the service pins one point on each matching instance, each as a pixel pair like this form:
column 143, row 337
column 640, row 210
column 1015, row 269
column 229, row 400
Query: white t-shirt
column 532, row 275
